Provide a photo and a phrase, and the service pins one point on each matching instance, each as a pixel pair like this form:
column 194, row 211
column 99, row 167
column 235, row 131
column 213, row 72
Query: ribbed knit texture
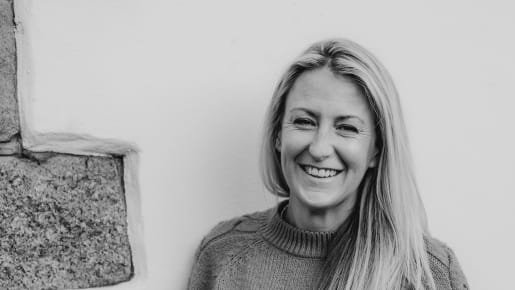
column 262, row 251
column 294, row 240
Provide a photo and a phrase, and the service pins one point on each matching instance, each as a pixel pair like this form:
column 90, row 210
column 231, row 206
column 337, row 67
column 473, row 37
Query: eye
column 347, row 128
column 304, row 123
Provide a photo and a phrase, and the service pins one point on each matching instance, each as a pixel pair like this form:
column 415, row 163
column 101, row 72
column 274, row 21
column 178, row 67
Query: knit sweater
column 262, row 251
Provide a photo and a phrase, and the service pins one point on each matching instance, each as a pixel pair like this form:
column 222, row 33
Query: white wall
column 188, row 82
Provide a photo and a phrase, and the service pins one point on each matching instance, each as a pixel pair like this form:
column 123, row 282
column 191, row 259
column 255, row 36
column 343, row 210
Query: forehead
column 328, row 94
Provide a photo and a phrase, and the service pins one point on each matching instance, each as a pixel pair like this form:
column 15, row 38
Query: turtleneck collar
column 293, row 240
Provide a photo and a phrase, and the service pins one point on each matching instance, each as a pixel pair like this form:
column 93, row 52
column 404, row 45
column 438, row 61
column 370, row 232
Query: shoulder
column 444, row 265
column 223, row 242
column 245, row 224
column 228, row 236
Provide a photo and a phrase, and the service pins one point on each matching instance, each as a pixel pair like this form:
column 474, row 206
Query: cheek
column 293, row 144
column 354, row 154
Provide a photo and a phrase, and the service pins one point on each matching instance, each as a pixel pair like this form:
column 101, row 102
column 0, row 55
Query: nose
column 321, row 146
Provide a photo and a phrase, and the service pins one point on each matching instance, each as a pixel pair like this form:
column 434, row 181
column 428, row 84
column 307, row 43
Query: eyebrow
column 339, row 118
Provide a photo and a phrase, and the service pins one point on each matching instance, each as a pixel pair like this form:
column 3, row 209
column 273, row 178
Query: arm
column 200, row 273
column 456, row 276
column 209, row 258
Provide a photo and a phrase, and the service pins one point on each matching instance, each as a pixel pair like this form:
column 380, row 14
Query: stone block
column 63, row 222
column 9, row 120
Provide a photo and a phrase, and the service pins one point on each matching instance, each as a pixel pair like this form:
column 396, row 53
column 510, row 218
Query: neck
column 318, row 219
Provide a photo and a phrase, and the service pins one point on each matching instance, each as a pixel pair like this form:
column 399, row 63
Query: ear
column 374, row 159
column 278, row 143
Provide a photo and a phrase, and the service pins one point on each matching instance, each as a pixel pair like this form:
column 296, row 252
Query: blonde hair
column 382, row 244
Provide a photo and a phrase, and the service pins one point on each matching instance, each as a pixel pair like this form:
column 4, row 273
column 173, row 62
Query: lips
column 319, row 172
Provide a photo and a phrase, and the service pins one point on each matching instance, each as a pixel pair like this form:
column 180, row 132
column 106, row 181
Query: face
column 327, row 140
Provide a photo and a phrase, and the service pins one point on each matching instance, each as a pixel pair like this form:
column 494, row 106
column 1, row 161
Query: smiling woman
column 335, row 145
column 327, row 143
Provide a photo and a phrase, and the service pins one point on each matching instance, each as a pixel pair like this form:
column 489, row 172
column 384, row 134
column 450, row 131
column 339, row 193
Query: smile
column 319, row 172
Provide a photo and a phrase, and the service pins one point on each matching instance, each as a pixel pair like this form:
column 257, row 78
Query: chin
column 321, row 200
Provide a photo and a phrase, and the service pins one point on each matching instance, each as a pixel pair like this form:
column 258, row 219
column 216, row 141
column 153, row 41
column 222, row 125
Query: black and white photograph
column 351, row 145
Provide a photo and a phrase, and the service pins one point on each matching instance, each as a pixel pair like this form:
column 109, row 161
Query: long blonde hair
column 381, row 245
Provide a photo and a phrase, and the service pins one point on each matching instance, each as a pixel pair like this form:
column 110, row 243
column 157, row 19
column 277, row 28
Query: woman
column 335, row 145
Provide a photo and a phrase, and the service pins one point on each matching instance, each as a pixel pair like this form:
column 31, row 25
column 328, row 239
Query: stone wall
column 63, row 217
column 9, row 124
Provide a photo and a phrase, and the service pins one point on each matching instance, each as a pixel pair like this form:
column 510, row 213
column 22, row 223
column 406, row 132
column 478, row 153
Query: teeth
column 320, row 173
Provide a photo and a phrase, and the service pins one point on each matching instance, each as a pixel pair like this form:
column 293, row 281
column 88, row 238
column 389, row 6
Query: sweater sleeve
column 457, row 278
column 199, row 275
column 208, row 259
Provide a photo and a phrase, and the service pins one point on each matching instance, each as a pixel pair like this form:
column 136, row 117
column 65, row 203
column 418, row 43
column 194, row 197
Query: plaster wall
column 189, row 81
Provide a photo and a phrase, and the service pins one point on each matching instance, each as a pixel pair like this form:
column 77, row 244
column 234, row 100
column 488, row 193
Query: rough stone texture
column 9, row 121
column 62, row 222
